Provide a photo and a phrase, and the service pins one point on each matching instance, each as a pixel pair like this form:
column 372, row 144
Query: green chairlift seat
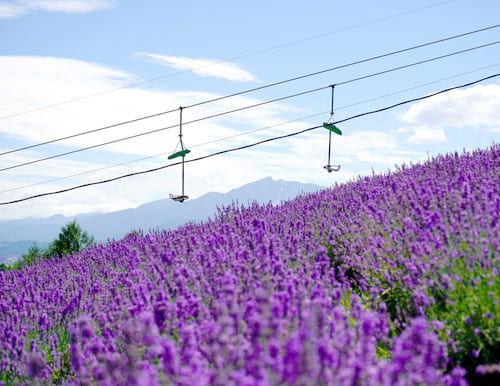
column 332, row 128
column 180, row 153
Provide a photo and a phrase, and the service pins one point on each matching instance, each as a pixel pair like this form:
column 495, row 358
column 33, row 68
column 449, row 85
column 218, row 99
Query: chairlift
column 331, row 129
column 181, row 153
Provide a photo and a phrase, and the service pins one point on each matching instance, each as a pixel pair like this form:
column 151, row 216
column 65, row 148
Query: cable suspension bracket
column 180, row 153
column 329, row 125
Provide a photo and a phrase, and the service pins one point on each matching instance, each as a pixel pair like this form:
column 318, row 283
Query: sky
column 70, row 66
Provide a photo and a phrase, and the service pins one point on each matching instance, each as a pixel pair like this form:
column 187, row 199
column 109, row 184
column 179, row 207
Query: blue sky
column 54, row 51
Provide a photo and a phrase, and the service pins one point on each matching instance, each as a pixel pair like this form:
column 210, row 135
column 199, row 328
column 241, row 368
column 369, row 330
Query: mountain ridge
column 159, row 214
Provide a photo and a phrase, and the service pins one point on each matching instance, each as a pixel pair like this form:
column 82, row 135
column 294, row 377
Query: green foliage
column 465, row 314
column 470, row 312
column 34, row 253
column 7, row 377
column 59, row 374
column 383, row 350
column 71, row 239
column 400, row 306
column 397, row 298
column 175, row 335
column 62, row 373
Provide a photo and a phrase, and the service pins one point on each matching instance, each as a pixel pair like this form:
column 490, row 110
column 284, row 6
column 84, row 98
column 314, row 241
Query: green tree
column 71, row 239
column 33, row 254
column 4, row 267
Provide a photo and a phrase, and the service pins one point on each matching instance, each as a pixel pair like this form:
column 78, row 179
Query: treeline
column 72, row 238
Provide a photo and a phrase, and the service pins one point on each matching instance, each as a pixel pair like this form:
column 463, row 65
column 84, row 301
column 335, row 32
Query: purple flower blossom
column 437, row 325
column 36, row 364
column 295, row 293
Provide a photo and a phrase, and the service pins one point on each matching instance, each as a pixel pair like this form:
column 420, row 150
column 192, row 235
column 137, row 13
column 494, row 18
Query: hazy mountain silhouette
column 163, row 214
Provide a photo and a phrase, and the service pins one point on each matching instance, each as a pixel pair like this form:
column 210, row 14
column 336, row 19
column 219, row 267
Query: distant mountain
column 162, row 214
column 10, row 251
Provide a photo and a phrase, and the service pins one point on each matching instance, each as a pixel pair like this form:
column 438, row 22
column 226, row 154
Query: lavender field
column 386, row 280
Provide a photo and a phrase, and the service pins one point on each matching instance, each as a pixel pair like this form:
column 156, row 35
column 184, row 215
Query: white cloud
column 40, row 81
column 472, row 107
column 20, row 7
column 379, row 149
column 422, row 135
column 69, row 6
column 11, row 11
column 203, row 67
column 30, row 82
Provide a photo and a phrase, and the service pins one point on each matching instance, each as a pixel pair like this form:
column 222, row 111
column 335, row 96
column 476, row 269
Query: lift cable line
column 162, row 129
column 347, row 65
column 88, row 132
column 163, row 153
column 249, row 131
column 415, row 87
column 273, row 48
column 252, row 89
column 249, row 145
column 245, row 107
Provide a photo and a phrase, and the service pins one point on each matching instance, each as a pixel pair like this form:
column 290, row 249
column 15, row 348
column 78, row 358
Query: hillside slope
column 161, row 214
column 350, row 285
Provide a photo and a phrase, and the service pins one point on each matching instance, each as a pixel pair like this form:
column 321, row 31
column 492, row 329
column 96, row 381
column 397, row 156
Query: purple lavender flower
column 291, row 293
column 36, row 364
column 437, row 325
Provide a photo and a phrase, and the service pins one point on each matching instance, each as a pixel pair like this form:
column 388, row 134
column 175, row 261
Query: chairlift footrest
column 179, row 198
column 331, row 168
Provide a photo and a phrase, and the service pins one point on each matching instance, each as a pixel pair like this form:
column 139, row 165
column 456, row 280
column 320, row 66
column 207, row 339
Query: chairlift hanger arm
column 331, row 129
column 181, row 153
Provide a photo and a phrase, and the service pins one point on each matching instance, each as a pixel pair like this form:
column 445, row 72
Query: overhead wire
column 243, row 108
column 416, row 87
column 361, row 61
column 160, row 154
column 161, row 129
column 250, row 145
column 252, row 89
column 415, row 64
column 347, row 106
column 225, row 60
column 249, row 131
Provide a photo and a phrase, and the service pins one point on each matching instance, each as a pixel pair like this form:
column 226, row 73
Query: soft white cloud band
column 11, row 10
column 203, row 67
column 472, row 107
